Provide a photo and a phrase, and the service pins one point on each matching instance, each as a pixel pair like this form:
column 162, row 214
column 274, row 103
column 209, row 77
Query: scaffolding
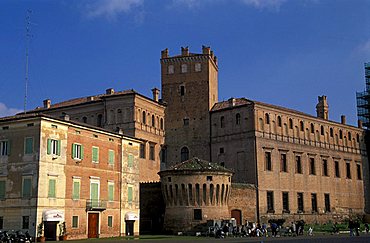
column 363, row 100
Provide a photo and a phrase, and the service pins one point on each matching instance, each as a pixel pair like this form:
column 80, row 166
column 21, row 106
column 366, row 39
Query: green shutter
column 73, row 150
column 2, row 189
column 76, row 190
column 28, row 146
column 95, row 154
column 111, row 157
column 74, row 221
column 130, row 160
column 58, row 147
column 49, row 146
column 129, row 194
column 110, row 192
column 82, row 151
column 110, row 221
column 52, row 183
column 26, row 190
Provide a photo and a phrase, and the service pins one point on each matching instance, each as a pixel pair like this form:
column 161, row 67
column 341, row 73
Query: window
column 130, row 160
column 111, row 157
column 312, row 166
column 52, row 185
column 77, row 151
column 301, row 125
column 349, row 136
column 359, row 172
column 129, row 194
column 270, row 201
column 184, row 68
column 99, row 121
column 290, row 123
column 26, row 187
column 110, row 221
column 184, row 154
column 322, row 130
column 222, row 150
column 28, row 145
column 143, row 117
column 348, row 170
column 324, row 167
column 285, row 202
column 74, row 221
column 1, row 223
column 298, row 164
column 312, row 128
column 336, row 168
column 151, row 152
column 110, row 191
column 161, row 124
column 300, row 202
column 53, row 147
column 4, row 148
column 94, row 191
column 171, row 69
column 95, row 154
column 142, row 151
column 84, row 119
column 182, row 90
column 25, row 222
column 340, row 134
column 279, row 121
column 169, row 179
column 76, row 189
column 268, row 164
column 237, row 119
column 314, row 202
column 153, row 121
column 222, row 121
column 267, row 118
column 186, row 121
column 2, row 190
column 331, row 132
column 198, row 67
column 327, row 202
column 358, row 138
column 283, row 163
column 197, row 214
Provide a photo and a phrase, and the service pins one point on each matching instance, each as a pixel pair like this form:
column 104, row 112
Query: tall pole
column 28, row 36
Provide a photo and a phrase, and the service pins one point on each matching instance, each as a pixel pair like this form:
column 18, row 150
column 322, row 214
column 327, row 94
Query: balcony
column 96, row 205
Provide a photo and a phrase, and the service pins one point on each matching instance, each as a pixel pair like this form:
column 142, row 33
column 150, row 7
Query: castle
column 288, row 164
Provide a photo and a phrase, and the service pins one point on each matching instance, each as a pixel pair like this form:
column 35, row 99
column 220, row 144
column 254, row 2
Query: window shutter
column 111, row 157
column 95, row 154
column 29, row 146
column 110, row 192
column 2, row 189
column 52, row 188
column 26, row 187
column 76, row 190
column 58, row 147
column 73, row 151
column 82, row 151
column 130, row 160
column 49, row 146
column 129, row 194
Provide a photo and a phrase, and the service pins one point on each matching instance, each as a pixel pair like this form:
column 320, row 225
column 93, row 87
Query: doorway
column 50, row 230
column 93, row 225
column 130, row 227
column 237, row 214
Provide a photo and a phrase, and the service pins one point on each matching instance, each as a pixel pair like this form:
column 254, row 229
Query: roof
column 197, row 164
column 231, row 103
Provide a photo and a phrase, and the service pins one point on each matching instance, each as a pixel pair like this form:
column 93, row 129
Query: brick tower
column 190, row 89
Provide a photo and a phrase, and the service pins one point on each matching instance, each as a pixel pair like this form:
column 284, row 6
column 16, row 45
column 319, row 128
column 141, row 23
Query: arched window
column 322, row 130
column 184, row 154
column 162, row 126
column 279, row 121
column 331, row 132
column 237, row 119
column 153, row 121
column 312, row 128
column 340, row 134
column 301, row 126
column 99, row 121
column 349, row 136
column 84, row 119
column 290, row 123
column 143, row 118
column 222, row 121
column 267, row 118
column 358, row 137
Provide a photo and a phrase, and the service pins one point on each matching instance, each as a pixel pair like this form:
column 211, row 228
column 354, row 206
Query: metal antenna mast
column 28, row 37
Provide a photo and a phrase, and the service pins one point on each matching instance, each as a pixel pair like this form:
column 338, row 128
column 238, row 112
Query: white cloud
column 110, row 9
column 188, row 3
column 5, row 111
column 265, row 4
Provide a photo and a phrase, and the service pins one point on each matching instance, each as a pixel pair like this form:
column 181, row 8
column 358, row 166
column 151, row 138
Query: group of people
column 354, row 228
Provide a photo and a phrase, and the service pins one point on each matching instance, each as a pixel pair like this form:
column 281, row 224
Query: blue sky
column 283, row 52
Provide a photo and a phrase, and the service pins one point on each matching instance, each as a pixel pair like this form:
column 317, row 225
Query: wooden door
column 237, row 214
column 93, row 225
column 50, row 230
column 130, row 227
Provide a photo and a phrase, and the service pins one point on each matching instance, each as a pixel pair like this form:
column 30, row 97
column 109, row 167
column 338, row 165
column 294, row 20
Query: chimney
column 185, row 51
column 90, row 98
column 343, row 119
column 47, row 103
column 155, row 94
column 66, row 117
column 322, row 108
column 359, row 124
column 109, row 91
column 231, row 101
column 206, row 50
column 164, row 53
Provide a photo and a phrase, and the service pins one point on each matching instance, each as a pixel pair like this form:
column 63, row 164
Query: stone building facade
column 56, row 171
column 195, row 191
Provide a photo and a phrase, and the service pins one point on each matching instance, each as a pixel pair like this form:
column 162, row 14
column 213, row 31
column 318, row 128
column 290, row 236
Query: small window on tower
column 171, row 69
column 182, row 90
column 184, row 68
column 198, row 67
column 186, row 121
